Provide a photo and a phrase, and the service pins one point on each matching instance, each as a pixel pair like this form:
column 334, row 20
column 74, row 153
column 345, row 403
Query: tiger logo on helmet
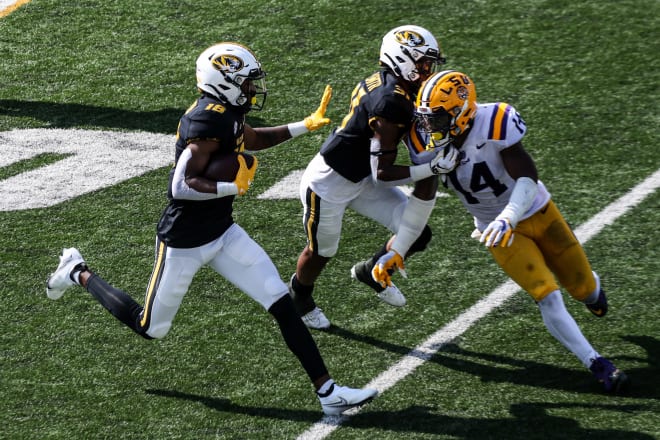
column 446, row 105
column 409, row 38
column 227, row 63
column 222, row 70
column 411, row 52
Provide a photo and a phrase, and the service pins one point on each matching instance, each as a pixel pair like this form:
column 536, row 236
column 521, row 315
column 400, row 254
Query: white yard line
column 496, row 298
column 9, row 6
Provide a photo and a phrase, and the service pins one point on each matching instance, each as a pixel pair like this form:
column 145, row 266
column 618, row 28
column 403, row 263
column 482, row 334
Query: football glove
column 245, row 175
column 317, row 119
column 385, row 266
column 498, row 233
column 445, row 160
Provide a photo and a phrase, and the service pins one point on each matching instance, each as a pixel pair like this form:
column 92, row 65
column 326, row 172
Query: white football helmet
column 411, row 52
column 224, row 68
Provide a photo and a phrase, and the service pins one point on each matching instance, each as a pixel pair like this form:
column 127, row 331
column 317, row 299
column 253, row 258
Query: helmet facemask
column 438, row 124
column 253, row 90
column 426, row 66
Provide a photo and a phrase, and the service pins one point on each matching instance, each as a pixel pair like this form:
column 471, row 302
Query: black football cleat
column 599, row 308
column 614, row 380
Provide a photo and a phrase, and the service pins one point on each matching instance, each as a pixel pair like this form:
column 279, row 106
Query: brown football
column 223, row 167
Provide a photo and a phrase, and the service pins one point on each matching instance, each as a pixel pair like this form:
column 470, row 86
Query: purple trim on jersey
column 499, row 119
column 505, row 122
column 492, row 120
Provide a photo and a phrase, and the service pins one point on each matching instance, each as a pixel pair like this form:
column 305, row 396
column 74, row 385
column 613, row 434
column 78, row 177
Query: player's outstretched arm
column 261, row 138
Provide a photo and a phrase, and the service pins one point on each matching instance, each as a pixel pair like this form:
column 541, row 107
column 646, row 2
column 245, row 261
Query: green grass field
column 585, row 77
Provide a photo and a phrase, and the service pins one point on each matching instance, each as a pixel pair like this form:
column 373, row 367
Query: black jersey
column 192, row 223
column 347, row 149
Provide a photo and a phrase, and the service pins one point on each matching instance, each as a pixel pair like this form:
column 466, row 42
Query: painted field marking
column 96, row 160
column 9, row 6
column 496, row 298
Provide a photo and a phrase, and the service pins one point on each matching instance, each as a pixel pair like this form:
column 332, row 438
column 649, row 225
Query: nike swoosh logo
column 480, row 146
column 341, row 402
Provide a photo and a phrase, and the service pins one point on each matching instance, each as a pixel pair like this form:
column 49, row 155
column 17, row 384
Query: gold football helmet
column 446, row 105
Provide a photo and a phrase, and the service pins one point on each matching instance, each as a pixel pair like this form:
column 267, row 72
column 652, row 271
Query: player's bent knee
column 274, row 286
column 585, row 287
column 326, row 252
column 271, row 290
column 283, row 309
column 541, row 292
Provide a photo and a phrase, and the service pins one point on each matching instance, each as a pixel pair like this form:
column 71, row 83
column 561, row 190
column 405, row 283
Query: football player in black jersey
column 197, row 228
column 356, row 169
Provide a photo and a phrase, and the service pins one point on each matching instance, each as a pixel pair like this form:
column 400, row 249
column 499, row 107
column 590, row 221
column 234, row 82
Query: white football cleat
column 316, row 319
column 340, row 399
column 392, row 296
column 61, row 279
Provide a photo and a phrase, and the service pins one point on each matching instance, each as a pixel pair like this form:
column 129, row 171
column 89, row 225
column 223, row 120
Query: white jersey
column 329, row 184
column 480, row 180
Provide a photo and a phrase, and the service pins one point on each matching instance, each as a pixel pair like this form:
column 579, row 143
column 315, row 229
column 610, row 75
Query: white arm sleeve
column 520, row 201
column 181, row 190
column 414, row 218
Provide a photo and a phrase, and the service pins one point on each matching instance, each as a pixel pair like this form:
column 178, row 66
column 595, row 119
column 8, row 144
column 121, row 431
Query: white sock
column 563, row 327
column 594, row 295
column 75, row 274
column 325, row 387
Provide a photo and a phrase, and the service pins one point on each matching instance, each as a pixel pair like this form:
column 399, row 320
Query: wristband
column 224, row 189
column 420, row 172
column 297, row 128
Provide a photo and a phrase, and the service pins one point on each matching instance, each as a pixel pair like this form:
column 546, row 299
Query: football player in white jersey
column 197, row 227
column 514, row 215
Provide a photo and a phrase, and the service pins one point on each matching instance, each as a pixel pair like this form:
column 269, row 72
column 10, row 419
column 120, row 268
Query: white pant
column 322, row 219
column 234, row 255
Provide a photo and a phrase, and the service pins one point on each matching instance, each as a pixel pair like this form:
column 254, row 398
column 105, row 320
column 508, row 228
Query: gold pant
column 543, row 251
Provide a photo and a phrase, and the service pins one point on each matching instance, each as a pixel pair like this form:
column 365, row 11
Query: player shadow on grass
column 529, row 420
column 497, row 368
column 504, row 369
column 60, row 115
column 226, row 405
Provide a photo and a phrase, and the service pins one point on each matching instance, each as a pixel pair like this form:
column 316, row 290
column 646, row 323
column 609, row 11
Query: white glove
column 498, row 233
column 445, row 160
